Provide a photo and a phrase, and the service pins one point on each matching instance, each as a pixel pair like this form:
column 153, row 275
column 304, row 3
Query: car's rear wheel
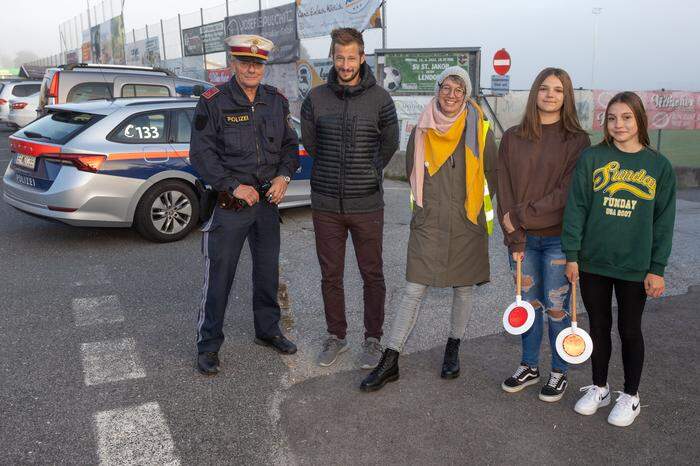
column 168, row 211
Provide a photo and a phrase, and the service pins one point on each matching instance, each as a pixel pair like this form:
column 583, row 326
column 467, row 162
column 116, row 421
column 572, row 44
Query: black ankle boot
column 386, row 371
column 450, row 365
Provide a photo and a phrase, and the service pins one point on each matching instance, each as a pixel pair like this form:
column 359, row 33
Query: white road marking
column 97, row 310
column 111, row 361
column 135, row 435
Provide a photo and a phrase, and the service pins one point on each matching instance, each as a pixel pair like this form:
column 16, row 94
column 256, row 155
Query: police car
column 117, row 163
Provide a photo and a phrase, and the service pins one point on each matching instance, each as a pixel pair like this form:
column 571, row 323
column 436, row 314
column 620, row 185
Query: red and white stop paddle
column 574, row 345
column 520, row 315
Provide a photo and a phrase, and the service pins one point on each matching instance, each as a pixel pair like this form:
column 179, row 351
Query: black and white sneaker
column 555, row 387
column 523, row 377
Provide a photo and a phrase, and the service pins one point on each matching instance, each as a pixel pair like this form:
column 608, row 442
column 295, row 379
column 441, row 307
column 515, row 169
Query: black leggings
column 596, row 291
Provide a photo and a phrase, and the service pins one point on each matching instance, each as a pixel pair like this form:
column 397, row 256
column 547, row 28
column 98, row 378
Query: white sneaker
column 626, row 409
column 594, row 398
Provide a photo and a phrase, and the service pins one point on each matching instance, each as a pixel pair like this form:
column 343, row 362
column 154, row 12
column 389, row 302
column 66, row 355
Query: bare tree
column 24, row 56
column 5, row 61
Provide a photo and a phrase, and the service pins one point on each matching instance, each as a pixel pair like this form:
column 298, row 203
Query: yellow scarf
column 439, row 146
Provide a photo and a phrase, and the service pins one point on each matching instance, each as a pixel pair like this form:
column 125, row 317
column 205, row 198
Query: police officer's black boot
column 208, row 363
column 279, row 343
column 450, row 364
column 386, row 371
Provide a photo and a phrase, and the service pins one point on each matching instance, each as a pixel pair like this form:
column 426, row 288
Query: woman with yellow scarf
column 451, row 164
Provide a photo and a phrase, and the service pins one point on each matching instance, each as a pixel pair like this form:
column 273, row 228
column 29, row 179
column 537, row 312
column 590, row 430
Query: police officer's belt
column 230, row 202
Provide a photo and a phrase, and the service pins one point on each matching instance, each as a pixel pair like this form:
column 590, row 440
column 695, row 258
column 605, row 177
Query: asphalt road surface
column 97, row 362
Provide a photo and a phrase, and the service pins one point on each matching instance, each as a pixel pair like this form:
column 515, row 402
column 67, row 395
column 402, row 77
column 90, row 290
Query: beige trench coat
column 445, row 249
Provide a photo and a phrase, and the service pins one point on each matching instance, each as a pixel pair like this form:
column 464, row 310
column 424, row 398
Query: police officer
column 244, row 147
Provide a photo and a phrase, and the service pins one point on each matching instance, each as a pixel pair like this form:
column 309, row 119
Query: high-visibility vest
column 488, row 205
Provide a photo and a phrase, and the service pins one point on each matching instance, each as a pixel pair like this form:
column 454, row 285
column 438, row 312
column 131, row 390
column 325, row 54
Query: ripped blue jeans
column 546, row 287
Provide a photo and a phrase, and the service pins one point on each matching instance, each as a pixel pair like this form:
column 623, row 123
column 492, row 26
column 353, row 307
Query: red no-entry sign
column 501, row 62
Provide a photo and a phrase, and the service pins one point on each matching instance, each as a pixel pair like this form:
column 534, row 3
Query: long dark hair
column 634, row 102
column 530, row 126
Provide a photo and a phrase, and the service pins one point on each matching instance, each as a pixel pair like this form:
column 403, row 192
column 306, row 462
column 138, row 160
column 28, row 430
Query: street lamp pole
column 596, row 13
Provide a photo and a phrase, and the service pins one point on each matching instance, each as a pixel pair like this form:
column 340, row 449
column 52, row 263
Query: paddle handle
column 573, row 302
column 518, row 276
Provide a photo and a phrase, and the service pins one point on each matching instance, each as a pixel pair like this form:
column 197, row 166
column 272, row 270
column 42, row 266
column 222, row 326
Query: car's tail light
column 83, row 162
column 3, row 101
column 53, row 88
column 18, row 105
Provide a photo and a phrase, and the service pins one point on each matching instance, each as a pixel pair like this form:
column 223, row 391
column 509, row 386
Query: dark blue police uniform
column 236, row 141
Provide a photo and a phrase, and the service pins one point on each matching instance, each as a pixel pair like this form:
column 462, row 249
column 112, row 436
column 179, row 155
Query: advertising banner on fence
column 73, row 57
column 204, row 39
column 135, row 53
column 118, row 40
column 144, row 52
column 311, row 73
column 416, row 72
column 665, row 109
column 408, row 109
column 152, row 56
column 283, row 77
column 86, row 46
column 319, row 17
column 188, row 67
column 278, row 24
column 219, row 76
column 85, row 52
column 107, row 42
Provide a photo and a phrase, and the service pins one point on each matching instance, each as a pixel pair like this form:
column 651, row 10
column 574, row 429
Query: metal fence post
column 384, row 24
column 162, row 36
column 179, row 29
column 90, row 31
column 201, row 16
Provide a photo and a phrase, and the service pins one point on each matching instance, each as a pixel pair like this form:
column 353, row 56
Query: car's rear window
column 145, row 90
column 59, row 127
column 24, row 90
column 89, row 91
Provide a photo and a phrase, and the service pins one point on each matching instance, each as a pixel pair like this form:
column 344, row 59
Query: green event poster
column 416, row 72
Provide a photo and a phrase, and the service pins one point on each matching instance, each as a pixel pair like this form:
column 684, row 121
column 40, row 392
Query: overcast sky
column 642, row 44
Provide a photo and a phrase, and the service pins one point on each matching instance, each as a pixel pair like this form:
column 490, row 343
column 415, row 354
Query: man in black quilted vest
column 350, row 129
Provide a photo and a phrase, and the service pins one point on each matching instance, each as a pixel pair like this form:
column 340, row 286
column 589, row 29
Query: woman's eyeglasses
column 456, row 91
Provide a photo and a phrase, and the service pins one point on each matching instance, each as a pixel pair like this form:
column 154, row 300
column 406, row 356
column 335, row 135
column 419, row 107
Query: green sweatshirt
column 619, row 215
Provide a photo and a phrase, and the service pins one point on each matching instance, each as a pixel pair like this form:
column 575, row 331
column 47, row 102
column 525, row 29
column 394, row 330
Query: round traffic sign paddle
column 574, row 345
column 520, row 315
column 501, row 62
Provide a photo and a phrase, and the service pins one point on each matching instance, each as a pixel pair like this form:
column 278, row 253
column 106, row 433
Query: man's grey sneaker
column 524, row 376
column 371, row 353
column 554, row 389
column 332, row 348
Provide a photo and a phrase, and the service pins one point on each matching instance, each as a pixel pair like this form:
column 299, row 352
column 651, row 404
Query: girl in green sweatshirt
column 617, row 232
